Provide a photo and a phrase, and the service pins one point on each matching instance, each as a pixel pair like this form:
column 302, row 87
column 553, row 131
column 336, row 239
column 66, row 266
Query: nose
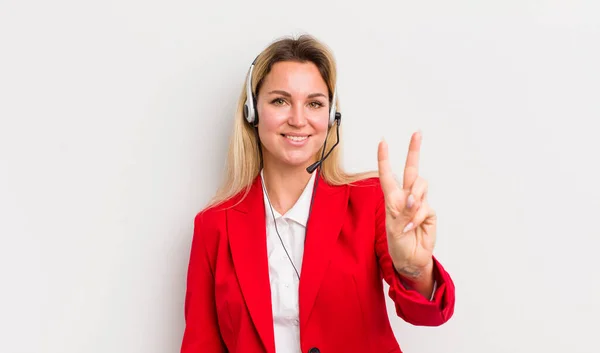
column 297, row 117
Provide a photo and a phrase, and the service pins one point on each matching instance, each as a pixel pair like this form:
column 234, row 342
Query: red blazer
column 342, row 302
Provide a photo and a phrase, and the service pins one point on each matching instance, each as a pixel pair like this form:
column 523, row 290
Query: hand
column 409, row 221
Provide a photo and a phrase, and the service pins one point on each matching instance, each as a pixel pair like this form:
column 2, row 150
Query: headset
column 251, row 115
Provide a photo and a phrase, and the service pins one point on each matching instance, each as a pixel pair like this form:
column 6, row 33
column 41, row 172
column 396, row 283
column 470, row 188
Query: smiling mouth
column 295, row 138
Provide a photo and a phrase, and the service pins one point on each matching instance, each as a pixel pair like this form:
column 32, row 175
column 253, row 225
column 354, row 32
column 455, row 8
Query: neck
column 285, row 185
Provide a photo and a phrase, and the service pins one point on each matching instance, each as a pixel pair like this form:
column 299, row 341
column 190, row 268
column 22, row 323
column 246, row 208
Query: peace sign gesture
column 409, row 221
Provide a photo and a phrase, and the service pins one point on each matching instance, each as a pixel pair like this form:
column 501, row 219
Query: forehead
column 295, row 76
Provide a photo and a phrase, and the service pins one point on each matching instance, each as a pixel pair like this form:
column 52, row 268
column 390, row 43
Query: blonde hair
column 244, row 155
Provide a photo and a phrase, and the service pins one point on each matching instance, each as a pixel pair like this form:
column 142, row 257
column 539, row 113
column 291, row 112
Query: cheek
column 271, row 118
column 320, row 125
column 268, row 128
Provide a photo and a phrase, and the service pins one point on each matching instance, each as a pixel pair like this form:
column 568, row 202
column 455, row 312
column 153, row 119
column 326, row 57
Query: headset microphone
column 338, row 119
column 311, row 168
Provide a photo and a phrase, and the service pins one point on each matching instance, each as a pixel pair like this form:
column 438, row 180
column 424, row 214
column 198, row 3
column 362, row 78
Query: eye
column 278, row 101
column 315, row 104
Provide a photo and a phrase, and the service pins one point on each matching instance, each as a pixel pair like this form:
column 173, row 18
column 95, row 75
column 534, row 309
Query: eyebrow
column 286, row 94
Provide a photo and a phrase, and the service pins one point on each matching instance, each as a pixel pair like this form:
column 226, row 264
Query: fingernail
column 408, row 227
column 411, row 201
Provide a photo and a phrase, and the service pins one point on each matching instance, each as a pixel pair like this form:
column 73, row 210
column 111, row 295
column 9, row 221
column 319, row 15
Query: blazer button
column 314, row 350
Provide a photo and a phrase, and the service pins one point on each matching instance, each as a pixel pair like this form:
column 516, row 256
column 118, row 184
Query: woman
column 290, row 254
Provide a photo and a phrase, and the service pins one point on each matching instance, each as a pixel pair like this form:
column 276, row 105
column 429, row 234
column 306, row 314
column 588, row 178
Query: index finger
column 411, row 169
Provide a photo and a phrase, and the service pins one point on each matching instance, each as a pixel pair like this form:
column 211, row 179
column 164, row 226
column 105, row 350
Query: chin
column 297, row 159
column 297, row 162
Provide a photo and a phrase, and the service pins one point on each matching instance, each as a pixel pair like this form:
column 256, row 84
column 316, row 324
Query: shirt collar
column 300, row 211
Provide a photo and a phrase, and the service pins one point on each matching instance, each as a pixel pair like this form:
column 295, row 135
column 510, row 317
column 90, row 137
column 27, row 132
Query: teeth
column 297, row 138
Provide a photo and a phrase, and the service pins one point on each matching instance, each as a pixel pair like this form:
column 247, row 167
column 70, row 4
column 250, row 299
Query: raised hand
column 410, row 222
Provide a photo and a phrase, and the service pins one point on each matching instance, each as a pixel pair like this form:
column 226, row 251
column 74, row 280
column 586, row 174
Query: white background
column 114, row 123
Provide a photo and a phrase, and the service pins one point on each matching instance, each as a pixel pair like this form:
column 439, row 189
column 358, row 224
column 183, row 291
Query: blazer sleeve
column 201, row 333
column 410, row 305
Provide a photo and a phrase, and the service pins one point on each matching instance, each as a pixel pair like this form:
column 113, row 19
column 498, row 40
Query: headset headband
column 250, row 105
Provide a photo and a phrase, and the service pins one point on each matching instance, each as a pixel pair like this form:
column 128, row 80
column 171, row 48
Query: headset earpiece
column 250, row 113
column 333, row 114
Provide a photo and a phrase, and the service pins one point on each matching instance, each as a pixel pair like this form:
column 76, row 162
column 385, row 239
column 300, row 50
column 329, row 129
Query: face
column 293, row 111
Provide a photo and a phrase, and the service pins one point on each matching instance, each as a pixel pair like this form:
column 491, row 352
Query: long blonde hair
column 244, row 157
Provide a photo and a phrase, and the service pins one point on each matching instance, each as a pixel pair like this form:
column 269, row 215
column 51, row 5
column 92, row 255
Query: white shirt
column 283, row 278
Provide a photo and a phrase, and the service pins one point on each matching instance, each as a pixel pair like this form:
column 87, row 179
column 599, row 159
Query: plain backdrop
column 114, row 121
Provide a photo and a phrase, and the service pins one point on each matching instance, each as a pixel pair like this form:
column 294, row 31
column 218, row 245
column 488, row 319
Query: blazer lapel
column 324, row 226
column 248, row 241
